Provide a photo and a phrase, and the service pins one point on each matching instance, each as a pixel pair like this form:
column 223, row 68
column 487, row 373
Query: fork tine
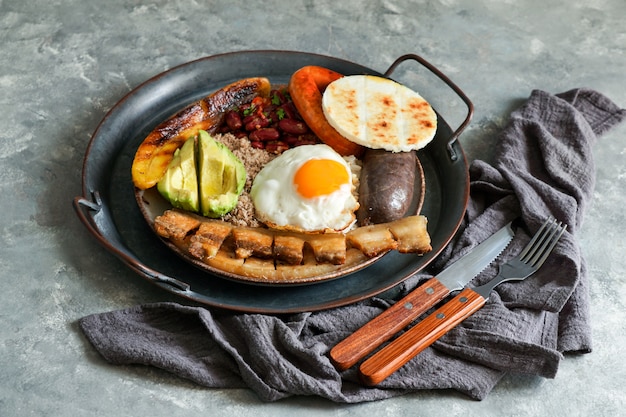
column 535, row 241
column 542, row 244
column 543, row 238
column 549, row 245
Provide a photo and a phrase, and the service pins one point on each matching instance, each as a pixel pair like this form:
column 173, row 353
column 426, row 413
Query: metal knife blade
column 380, row 329
column 460, row 273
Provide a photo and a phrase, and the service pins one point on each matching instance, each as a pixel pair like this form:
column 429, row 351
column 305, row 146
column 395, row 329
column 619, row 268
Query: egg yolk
column 319, row 177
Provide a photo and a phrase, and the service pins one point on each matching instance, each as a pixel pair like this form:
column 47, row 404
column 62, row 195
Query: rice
column 253, row 159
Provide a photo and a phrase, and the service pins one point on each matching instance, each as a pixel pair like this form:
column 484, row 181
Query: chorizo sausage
column 386, row 187
column 306, row 86
column 157, row 150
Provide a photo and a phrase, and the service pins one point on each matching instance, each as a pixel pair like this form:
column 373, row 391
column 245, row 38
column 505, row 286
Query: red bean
column 293, row 127
column 290, row 140
column 277, row 97
column 233, row 120
column 245, row 108
column 307, row 139
column 256, row 122
column 270, row 110
column 276, row 146
column 288, row 110
column 264, row 134
column 273, row 117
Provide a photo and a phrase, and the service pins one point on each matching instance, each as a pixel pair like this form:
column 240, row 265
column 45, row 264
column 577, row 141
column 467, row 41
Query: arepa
column 379, row 113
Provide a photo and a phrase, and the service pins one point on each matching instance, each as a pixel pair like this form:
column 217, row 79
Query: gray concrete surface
column 64, row 63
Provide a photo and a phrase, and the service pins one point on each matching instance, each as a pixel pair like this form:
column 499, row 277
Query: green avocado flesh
column 222, row 177
column 179, row 185
column 204, row 177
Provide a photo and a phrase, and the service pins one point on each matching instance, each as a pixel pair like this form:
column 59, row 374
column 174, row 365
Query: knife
column 380, row 329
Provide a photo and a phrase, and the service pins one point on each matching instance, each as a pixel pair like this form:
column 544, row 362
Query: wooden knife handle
column 393, row 356
column 380, row 329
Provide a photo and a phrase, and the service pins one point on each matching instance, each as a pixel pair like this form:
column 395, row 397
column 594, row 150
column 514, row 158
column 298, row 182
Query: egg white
column 278, row 204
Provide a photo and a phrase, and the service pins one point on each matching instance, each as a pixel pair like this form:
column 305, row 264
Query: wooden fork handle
column 380, row 329
column 393, row 356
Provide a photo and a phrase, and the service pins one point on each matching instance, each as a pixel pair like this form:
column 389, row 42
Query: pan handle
column 470, row 107
column 87, row 210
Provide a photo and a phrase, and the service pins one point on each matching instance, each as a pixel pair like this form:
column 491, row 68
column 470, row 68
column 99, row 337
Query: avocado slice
column 221, row 175
column 179, row 185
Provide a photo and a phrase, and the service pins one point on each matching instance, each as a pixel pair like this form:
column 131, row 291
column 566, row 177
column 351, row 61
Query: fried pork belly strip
column 268, row 253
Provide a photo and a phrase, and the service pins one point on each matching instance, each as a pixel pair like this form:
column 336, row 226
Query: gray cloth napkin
column 543, row 167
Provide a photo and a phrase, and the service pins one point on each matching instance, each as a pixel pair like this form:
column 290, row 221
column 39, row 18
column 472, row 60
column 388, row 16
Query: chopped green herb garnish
column 250, row 110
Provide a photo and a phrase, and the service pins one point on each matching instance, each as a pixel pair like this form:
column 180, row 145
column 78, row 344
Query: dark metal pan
column 108, row 209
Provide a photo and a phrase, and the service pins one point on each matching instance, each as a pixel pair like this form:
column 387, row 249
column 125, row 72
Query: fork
column 393, row 356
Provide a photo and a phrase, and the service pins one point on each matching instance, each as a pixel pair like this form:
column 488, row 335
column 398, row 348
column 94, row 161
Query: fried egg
column 308, row 188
